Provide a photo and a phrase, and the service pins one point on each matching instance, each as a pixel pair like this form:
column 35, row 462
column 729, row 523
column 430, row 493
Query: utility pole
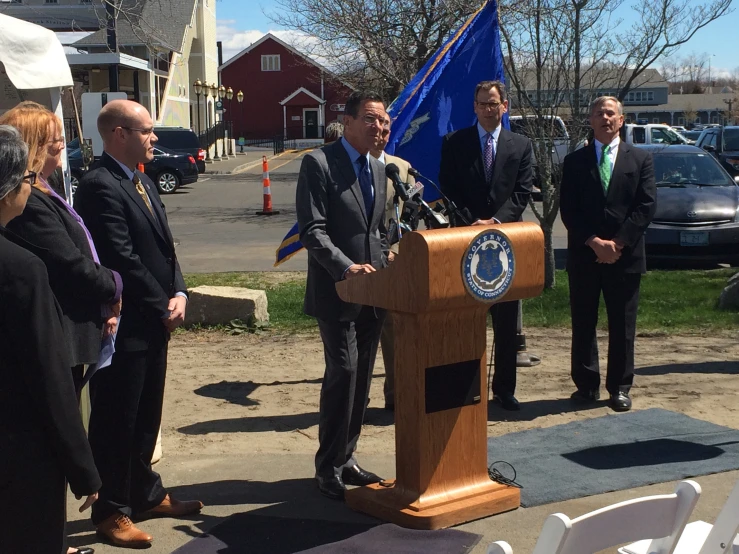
column 112, row 40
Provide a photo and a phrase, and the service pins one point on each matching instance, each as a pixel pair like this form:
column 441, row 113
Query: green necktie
column 604, row 168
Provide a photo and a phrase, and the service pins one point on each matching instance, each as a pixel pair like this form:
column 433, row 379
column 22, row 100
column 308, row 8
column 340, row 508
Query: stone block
column 220, row 305
column 729, row 299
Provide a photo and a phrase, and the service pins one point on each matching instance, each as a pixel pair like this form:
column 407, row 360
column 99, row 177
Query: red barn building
column 285, row 92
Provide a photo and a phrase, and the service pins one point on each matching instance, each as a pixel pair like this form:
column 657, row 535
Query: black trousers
column 124, row 423
column 350, row 348
column 505, row 318
column 621, row 294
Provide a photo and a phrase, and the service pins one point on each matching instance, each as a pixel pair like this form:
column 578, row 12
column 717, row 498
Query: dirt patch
column 247, row 393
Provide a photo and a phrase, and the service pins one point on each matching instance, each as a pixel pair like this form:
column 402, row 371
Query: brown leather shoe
column 119, row 530
column 170, row 507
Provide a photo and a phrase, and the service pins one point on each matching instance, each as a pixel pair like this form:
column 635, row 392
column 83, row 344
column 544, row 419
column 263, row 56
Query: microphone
column 393, row 173
column 463, row 216
column 413, row 195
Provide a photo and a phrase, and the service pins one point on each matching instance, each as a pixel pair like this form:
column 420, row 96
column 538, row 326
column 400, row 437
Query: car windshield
column 731, row 139
column 689, row 169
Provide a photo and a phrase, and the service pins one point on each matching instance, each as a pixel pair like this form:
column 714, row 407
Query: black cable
column 498, row 477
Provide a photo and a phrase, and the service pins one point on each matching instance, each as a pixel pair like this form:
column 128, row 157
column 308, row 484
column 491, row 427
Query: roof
column 303, row 91
column 160, row 21
column 683, row 102
column 604, row 79
column 270, row 36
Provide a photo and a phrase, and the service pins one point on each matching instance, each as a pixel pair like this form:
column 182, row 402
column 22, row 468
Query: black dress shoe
column 331, row 487
column 507, row 401
column 583, row 396
column 358, row 477
column 620, row 402
column 83, row 550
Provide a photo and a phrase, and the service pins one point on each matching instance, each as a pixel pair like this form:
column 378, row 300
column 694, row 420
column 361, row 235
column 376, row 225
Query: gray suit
column 336, row 232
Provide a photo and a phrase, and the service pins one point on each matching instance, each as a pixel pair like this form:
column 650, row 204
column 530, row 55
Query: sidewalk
column 238, row 163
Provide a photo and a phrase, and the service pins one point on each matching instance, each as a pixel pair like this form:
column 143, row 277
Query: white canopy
column 32, row 55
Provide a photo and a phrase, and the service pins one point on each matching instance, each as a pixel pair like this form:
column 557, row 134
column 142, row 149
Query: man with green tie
column 607, row 202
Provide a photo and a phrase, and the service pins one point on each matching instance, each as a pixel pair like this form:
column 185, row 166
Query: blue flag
column 437, row 101
column 440, row 98
column 289, row 246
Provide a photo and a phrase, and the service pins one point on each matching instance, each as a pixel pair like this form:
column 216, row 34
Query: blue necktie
column 365, row 183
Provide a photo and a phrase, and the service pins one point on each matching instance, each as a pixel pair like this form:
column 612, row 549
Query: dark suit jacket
column 334, row 227
column 80, row 285
column 462, row 174
column 134, row 243
column 41, row 432
column 624, row 213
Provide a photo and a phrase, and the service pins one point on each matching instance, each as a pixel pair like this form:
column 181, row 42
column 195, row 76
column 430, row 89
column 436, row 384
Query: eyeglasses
column 145, row 132
column 31, row 177
column 372, row 119
column 488, row 105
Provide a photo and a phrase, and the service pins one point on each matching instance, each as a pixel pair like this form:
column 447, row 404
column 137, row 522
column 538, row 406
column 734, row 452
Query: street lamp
column 229, row 97
column 240, row 98
column 198, row 86
column 214, row 93
column 222, row 97
column 206, row 94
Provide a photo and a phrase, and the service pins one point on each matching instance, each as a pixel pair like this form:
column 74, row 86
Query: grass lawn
column 670, row 302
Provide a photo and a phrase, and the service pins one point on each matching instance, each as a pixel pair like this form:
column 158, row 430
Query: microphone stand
column 450, row 206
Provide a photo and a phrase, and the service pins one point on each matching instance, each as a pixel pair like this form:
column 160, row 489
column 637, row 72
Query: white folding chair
column 661, row 518
column 700, row 537
column 723, row 537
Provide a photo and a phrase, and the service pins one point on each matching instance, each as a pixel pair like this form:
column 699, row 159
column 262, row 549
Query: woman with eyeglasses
column 42, row 440
column 88, row 293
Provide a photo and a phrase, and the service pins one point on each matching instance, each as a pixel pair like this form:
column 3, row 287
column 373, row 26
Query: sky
column 242, row 22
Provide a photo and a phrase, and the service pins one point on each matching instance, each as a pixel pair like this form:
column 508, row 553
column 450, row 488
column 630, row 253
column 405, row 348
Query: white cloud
column 235, row 40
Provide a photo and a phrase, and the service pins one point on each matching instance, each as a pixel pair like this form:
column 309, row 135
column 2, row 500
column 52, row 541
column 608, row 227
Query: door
column 311, row 124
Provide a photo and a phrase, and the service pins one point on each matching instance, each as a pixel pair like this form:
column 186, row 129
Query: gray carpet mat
column 613, row 452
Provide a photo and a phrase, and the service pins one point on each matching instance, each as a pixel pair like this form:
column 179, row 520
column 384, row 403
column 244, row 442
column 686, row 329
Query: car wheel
column 74, row 182
column 167, row 181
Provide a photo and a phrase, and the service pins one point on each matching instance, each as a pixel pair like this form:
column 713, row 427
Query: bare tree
column 690, row 114
column 564, row 53
column 378, row 43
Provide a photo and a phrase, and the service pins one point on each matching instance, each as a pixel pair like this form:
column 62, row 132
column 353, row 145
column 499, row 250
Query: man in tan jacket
column 387, row 336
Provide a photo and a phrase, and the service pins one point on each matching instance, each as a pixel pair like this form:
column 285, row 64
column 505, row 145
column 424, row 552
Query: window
column 681, row 121
column 639, row 136
column 51, row 1
column 650, row 96
column 271, row 63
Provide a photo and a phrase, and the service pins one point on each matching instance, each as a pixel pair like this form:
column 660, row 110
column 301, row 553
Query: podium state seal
column 488, row 266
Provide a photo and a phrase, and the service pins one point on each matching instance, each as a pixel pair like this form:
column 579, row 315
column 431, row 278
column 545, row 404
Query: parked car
column 692, row 136
column 554, row 129
column 169, row 169
column 722, row 142
column 182, row 140
column 652, row 133
column 697, row 215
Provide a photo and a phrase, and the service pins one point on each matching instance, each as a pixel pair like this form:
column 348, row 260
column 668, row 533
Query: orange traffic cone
column 267, row 191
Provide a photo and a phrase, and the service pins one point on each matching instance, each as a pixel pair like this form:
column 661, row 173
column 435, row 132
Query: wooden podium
column 440, row 374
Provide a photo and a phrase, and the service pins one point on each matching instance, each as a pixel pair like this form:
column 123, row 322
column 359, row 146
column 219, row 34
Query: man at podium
column 488, row 171
column 340, row 204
